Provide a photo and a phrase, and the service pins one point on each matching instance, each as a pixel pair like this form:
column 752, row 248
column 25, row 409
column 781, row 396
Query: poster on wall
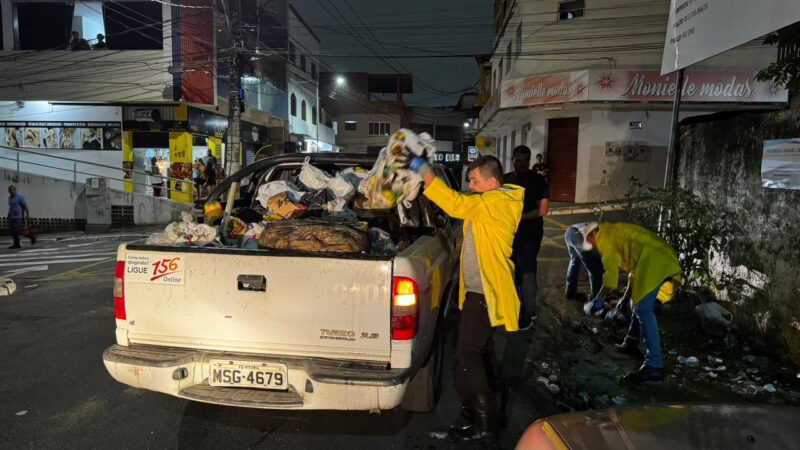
column 62, row 135
column 780, row 164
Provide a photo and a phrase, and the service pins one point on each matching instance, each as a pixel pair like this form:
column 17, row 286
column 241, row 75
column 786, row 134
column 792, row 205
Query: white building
column 578, row 81
column 305, row 122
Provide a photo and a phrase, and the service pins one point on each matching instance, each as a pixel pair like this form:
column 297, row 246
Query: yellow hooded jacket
column 494, row 217
column 649, row 259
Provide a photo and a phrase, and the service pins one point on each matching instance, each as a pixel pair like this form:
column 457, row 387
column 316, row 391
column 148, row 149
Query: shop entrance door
column 562, row 158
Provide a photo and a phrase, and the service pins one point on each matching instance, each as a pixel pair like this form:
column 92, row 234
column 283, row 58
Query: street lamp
column 339, row 80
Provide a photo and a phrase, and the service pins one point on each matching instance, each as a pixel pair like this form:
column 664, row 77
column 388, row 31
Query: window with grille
column 379, row 128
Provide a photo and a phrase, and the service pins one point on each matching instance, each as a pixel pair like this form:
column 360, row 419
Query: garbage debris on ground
column 770, row 388
column 618, row 400
column 714, row 319
column 690, row 361
column 186, row 232
column 438, row 434
column 7, row 286
column 31, row 286
column 21, row 413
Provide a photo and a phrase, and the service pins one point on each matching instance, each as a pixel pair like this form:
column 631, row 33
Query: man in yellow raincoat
column 487, row 293
column 653, row 272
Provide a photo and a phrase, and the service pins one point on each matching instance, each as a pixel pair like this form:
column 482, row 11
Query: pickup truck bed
column 277, row 329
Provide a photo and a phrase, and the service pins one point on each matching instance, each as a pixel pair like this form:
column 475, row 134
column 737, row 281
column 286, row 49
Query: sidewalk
column 560, row 209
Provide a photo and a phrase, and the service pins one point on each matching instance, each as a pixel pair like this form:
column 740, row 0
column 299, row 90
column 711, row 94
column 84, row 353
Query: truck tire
column 425, row 387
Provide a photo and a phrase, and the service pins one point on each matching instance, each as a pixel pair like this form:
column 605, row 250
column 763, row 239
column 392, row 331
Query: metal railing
column 76, row 172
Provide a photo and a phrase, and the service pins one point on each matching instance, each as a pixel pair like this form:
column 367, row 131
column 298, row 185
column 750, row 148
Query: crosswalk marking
column 60, row 261
column 59, row 256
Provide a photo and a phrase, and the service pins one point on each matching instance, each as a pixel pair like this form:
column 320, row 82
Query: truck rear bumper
column 313, row 383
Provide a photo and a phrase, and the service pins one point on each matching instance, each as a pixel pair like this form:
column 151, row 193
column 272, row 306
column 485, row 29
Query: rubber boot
column 484, row 423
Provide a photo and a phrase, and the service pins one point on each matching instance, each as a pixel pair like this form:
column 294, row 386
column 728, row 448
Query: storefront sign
column 448, row 157
column 472, row 153
column 700, row 29
column 207, row 123
column 62, row 135
column 780, row 164
column 698, row 86
column 541, row 90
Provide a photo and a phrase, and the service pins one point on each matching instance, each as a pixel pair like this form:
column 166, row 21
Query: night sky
column 434, row 29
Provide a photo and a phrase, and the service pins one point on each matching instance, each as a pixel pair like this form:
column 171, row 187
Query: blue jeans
column 589, row 260
column 644, row 325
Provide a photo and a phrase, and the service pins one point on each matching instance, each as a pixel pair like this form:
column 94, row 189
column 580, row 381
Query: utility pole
column 233, row 143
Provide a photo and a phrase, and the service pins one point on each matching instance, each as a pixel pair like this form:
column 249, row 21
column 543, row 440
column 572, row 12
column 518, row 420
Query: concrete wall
column 51, row 198
column 720, row 161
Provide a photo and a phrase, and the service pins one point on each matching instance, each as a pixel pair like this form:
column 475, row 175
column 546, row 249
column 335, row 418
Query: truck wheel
column 425, row 387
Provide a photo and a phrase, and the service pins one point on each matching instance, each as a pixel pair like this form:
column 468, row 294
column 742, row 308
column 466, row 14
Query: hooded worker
column 653, row 272
column 487, row 293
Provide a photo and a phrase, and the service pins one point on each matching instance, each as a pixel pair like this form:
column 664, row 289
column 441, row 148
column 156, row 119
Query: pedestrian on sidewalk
column 210, row 163
column 578, row 257
column 653, row 274
column 156, row 178
column 528, row 238
column 487, row 294
column 540, row 166
column 18, row 215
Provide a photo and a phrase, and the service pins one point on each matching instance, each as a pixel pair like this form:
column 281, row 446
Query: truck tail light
column 405, row 297
column 119, row 290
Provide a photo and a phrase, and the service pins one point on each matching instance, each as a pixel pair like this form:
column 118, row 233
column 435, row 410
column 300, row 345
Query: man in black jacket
column 528, row 239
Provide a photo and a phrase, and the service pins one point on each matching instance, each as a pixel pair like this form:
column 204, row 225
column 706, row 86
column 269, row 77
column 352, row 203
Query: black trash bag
column 249, row 215
column 316, row 200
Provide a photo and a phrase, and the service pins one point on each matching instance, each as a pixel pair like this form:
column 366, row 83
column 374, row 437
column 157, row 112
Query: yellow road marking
column 75, row 273
column 558, row 224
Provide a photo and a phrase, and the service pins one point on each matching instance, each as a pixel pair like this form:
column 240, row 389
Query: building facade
column 156, row 85
column 578, row 81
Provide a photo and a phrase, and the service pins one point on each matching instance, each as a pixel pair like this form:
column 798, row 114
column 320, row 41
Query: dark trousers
column 474, row 348
column 17, row 227
column 525, row 268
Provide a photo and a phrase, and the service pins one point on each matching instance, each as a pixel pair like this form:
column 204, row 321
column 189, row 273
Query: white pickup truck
column 279, row 330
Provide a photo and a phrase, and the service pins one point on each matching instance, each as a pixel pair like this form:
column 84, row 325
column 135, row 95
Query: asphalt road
column 56, row 393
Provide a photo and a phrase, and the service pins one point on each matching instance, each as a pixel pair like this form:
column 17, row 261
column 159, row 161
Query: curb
column 566, row 210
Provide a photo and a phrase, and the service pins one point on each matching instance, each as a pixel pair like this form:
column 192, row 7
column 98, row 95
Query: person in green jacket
column 487, row 292
column 653, row 272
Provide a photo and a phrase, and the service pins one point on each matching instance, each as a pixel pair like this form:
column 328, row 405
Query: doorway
column 562, row 158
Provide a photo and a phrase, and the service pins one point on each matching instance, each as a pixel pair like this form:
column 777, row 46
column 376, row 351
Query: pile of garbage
column 317, row 214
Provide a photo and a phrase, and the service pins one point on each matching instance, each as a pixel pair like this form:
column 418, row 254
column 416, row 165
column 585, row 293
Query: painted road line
column 70, row 255
column 76, row 273
column 16, row 272
column 63, row 261
column 39, row 251
column 83, row 245
column 555, row 222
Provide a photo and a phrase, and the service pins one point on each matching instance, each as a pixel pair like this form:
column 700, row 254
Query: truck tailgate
column 214, row 299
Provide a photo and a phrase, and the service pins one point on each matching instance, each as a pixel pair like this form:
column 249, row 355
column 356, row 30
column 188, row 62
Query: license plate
column 248, row 374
